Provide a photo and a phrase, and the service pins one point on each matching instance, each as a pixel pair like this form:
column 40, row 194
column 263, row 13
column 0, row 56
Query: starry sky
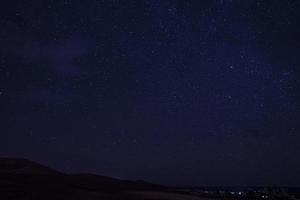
column 177, row 92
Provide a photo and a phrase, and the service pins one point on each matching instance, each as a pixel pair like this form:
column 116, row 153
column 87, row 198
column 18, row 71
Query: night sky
column 182, row 92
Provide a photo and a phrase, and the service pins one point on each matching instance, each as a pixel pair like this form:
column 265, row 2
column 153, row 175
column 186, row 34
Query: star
column 111, row 81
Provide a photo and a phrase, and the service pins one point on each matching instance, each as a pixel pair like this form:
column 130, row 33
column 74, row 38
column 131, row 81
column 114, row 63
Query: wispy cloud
column 63, row 57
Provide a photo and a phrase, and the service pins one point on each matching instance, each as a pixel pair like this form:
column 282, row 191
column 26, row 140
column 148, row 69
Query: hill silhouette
column 23, row 166
column 22, row 179
column 25, row 179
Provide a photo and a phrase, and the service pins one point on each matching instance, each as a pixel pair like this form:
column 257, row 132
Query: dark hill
column 24, row 179
column 23, row 166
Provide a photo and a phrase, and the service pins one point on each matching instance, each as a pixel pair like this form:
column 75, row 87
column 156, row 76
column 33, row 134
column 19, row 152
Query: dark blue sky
column 175, row 92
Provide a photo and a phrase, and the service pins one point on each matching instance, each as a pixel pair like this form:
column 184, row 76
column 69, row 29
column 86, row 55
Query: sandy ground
column 165, row 196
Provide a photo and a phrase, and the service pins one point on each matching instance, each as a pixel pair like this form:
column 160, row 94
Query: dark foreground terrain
column 23, row 179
